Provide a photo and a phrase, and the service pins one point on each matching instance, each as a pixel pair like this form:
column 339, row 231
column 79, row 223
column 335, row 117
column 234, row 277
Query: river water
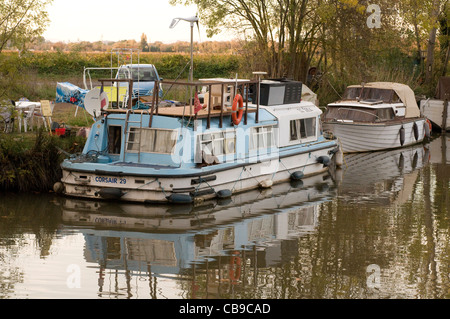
column 378, row 228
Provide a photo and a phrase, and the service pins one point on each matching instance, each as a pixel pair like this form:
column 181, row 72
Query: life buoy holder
column 237, row 113
column 235, row 268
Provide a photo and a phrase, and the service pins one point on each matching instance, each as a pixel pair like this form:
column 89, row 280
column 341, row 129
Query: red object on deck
column 60, row 131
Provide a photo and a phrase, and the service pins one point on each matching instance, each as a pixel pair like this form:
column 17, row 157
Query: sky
column 115, row 20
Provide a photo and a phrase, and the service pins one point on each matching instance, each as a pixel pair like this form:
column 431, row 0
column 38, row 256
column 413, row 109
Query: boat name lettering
column 105, row 220
column 110, row 180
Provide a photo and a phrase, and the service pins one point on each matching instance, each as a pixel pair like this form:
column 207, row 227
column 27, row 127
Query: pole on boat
column 258, row 74
column 191, row 20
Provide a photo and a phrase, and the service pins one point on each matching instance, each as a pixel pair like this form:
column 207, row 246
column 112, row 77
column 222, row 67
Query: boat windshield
column 352, row 93
column 370, row 94
column 138, row 74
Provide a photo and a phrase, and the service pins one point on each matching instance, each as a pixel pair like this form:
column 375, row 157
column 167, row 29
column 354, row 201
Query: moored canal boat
column 181, row 154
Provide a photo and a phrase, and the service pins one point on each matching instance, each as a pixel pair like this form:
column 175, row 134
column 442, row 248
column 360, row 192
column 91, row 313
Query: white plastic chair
column 28, row 118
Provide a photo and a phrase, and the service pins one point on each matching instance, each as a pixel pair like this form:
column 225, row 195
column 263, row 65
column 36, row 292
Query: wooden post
column 156, row 93
column 152, row 110
column 130, row 94
column 445, row 114
column 246, row 90
column 208, row 121
column 257, row 104
column 221, row 106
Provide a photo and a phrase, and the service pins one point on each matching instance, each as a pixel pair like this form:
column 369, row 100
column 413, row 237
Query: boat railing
column 128, row 99
column 87, row 75
column 239, row 86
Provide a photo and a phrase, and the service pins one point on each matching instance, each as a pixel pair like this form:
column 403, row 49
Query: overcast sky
column 114, row 20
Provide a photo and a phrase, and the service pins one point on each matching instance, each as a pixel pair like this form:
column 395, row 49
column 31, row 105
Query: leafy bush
column 32, row 163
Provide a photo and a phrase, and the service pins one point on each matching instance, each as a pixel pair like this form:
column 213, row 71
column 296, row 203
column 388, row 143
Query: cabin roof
column 404, row 92
column 293, row 111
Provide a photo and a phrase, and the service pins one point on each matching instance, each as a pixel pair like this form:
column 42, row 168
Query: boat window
column 372, row 94
column 352, row 93
column 261, row 137
column 396, row 98
column 114, row 139
column 302, row 128
column 385, row 114
column 218, row 143
column 150, row 140
column 350, row 114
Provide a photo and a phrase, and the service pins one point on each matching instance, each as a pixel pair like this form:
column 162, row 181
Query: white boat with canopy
column 376, row 116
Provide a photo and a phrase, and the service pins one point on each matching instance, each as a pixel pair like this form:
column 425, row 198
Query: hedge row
column 169, row 65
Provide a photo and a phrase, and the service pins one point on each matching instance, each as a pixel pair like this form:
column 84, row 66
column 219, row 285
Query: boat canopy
column 404, row 92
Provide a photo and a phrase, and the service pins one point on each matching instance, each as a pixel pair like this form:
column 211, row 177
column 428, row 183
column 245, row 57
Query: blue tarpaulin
column 70, row 93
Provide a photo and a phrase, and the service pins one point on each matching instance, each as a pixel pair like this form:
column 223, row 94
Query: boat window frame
column 216, row 140
column 263, row 135
column 359, row 93
column 300, row 138
column 350, row 113
column 140, row 150
column 118, row 144
column 383, row 116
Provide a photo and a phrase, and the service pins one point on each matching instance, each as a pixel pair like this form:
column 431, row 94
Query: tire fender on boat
column 224, row 193
column 416, row 131
column 267, row 183
column 325, row 160
column 180, row 199
column 58, row 188
column 237, row 113
column 110, row 193
column 402, row 135
column 296, row 176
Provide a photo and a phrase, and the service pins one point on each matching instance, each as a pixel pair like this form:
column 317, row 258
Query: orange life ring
column 236, row 114
column 235, row 265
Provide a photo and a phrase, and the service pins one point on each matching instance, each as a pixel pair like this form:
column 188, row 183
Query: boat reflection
column 159, row 241
column 381, row 177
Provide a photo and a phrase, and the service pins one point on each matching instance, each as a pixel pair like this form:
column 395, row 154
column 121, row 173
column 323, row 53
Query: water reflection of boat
column 380, row 176
column 440, row 149
column 157, row 241
column 192, row 217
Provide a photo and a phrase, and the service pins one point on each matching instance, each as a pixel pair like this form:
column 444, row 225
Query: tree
column 432, row 41
column 144, row 43
column 21, row 21
column 283, row 30
column 444, row 22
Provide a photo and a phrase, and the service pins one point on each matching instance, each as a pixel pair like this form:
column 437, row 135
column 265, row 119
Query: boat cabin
column 194, row 134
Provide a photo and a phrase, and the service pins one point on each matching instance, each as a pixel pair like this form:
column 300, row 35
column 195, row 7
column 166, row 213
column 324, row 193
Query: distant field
column 38, row 72
column 168, row 65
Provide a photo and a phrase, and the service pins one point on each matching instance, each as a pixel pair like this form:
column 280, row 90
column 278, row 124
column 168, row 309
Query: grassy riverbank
column 30, row 162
